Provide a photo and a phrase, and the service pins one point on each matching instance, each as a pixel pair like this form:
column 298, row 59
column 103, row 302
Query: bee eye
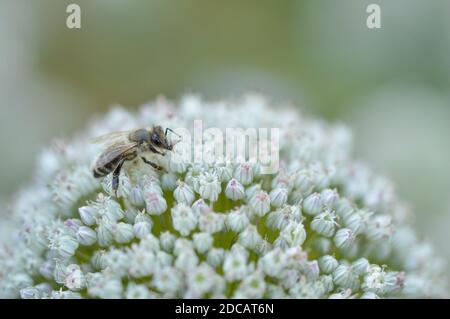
column 155, row 139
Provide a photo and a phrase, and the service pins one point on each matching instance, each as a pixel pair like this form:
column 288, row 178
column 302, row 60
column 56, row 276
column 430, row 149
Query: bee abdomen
column 101, row 171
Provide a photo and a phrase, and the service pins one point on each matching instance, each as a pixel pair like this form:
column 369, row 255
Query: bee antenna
column 170, row 130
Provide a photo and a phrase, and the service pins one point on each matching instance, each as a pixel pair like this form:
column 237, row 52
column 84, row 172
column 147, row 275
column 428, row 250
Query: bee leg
column 154, row 150
column 116, row 174
column 155, row 166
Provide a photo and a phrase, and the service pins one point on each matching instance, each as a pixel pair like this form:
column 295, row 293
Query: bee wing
column 111, row 138
column 113, row 152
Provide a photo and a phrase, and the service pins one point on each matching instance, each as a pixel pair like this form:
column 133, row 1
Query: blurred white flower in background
column 403, row 128
column 29, row 98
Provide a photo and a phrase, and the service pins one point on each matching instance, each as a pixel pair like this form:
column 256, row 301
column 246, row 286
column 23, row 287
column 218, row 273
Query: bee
column 127, row 146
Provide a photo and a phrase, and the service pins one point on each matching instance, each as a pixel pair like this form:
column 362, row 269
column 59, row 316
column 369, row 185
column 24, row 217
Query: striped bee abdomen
column 103, row 170
column 108, row 161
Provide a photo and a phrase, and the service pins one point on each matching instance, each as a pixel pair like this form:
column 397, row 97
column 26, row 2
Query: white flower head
column 321, row 226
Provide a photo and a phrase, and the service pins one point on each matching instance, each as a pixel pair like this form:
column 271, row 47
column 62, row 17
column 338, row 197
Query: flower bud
column 105, row 233
column 67, row 246
column 321, row 177
column 136, row 196
column 151, row 184
column 72, row 226
column 211, row 222
column 193, row 177
column 361, row 266
column 329, row 197
column 260, row 204
column 251, row 191
column 327, row 283
column 167, row 241
column 176, row 164
column 234, row 190
column 87, row 215
column 244, row 173
column 282, row 216
column 294, row 234
column 344, row 208
column 224, row 173
column 344, row 238
column 112, row 209
column 324, row 223
column 183, row 219
column 250, row 238
column 187, row 260
column 46, row 269
column 124, row 233
column 98, row 260
column 182, row 244
column 215, row 257
column 202, row 242
column 328, row 264
column 237, row 221
column 344, row 277
column 312, row 205
column 142, row 229
column 169, row 181
column 312, row 270
column 200, row 207
column 86, row 236
column 156, row 204
column 303, row 182
column 164, row 259
column 355, row 222
column 278, row 197
column 209, row 187
column 235, row 266
column 184, row 194
column 59, row 272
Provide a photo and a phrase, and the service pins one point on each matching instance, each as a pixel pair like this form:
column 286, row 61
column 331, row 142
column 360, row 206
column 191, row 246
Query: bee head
column 158, row 138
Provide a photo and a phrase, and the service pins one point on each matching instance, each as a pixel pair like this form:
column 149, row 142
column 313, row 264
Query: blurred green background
column 390, row 85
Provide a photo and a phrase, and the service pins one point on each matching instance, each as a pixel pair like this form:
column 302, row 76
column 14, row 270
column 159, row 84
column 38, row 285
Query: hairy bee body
column 127, row 146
